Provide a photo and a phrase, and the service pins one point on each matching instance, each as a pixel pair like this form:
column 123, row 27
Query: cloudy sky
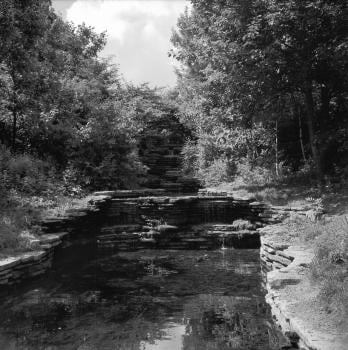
column 138, row 33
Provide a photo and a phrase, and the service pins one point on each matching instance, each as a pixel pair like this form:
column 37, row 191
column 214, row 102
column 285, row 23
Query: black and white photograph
column 173, row 174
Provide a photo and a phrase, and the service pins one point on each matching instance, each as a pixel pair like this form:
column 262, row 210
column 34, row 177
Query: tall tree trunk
column 301, row 135
column 311, row 132
column 277, row 150
column 14, row 109
column 253, row 151
column 296, row 111
column 14, row 129
column 324, row 108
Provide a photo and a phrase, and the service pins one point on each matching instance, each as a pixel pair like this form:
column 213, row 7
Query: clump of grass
column 64, row 203
column 329, row 268
column 241, row 224
column 61, row 205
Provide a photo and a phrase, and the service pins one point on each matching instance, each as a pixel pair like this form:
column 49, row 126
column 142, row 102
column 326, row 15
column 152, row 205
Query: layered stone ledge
column 182, row 222
column 57, row 231
column 205, row 236
column 285, row 268
column 137, row 219
column 273, row 251
column 147, row 218
column 291, row 295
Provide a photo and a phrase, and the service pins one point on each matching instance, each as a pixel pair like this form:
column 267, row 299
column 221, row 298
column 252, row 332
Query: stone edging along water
column 283, row 265
column 78, row 221
column 289, row 290
column 25, row 265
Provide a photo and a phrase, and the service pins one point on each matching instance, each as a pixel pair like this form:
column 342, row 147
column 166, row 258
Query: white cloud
column 118, row 16
column 138, row 33
column 149, row 29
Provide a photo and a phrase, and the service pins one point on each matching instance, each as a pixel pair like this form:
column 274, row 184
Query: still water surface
column 144, row 300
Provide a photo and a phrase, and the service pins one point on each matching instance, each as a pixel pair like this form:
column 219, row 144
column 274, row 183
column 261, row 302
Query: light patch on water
column 173, row 339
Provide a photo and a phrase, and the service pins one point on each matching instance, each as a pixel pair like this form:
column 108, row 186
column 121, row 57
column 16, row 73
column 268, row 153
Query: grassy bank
column 326, row 235
column 329, row 268
column 29, row 190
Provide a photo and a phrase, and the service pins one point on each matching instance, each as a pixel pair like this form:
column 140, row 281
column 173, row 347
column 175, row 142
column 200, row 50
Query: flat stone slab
column 240, row 234
column 106, row 194
column 288, row 290
column 96, row 198
column 5, row 272
column 53, row 219
column 61, row 235
column 167, row 228
column 130, row 193
column 121, row 228
column 259, row 205
column 49, row 238
column 119, row 236
column 32, row 256
column 9, row 262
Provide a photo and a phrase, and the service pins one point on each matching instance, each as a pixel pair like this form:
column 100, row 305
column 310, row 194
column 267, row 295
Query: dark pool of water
column 144, row 300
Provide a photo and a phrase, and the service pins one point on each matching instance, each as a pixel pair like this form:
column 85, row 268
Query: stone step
column 119, row 236
column 121, row 228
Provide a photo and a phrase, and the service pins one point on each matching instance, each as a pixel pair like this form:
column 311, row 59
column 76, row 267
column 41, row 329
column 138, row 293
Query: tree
column 246, row 62
column 62, row 103
column 306, row 41
column 22, row 26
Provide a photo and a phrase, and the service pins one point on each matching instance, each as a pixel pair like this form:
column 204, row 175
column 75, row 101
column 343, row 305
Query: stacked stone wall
column 139, row 219
column 146, row 218
column 160, row 150
column 57, row 232
column 128, row 220
column 182, row 222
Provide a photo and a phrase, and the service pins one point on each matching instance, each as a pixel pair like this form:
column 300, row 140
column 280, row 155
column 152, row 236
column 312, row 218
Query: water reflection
column 172, row 339
column 145, row 300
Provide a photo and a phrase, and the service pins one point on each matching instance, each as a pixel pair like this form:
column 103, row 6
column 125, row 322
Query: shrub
column 248, row 175
column 22, row 177
column 24, row 173
column 14, row 223
column 225, row 155
column 8, row 237
column 189, row 158
column 217, row 172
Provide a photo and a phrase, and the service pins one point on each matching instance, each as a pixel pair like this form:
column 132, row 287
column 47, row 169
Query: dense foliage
column 264, row 84
column 61, row 103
